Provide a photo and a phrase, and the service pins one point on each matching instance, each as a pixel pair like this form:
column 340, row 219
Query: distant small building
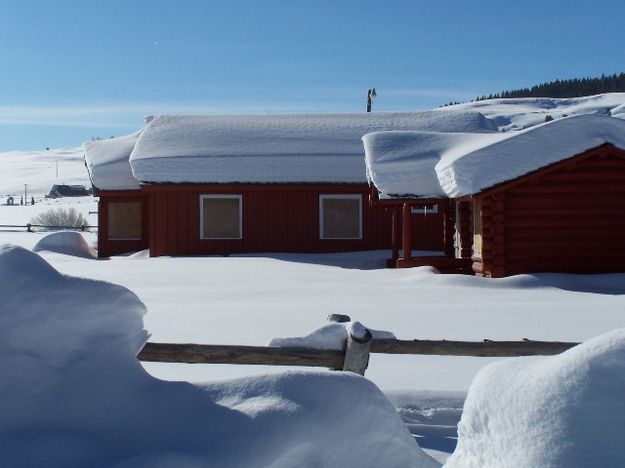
column 59, row 191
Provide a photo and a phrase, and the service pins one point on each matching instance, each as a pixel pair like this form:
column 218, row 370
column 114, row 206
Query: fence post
column 357, row 349
column 28, row 227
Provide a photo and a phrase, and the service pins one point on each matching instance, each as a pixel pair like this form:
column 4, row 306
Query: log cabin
column 550, row 198
column 218, row 185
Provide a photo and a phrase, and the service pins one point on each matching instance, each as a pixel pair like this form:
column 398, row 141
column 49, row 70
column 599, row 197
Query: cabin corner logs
column 569, row 217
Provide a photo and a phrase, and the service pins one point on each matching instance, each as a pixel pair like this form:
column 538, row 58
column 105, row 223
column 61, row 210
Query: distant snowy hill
column 520, row 113
column 38, row 169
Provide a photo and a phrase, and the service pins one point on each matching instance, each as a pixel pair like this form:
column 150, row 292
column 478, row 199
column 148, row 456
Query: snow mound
column 563, row 411
column 65, row 242
column 329, row 336
column 73, row 393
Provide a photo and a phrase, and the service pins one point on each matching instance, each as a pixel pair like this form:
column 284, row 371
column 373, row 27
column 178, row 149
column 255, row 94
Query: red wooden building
column 546, row 199
column 217, row 185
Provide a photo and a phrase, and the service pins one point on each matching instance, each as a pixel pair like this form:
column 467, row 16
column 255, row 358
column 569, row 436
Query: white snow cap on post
column 358, row 331
column 332, row 335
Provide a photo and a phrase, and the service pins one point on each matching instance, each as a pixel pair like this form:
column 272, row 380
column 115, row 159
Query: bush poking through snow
column 61, row 217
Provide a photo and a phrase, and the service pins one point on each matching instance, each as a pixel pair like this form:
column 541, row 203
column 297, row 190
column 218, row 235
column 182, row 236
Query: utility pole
column 25, row 194
column 371, row 94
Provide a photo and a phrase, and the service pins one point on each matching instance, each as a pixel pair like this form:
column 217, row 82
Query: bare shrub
column 61, row 217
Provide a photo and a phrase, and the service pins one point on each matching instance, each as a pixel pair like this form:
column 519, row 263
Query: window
column 340, row 216
column 221, row 217
column 425, row 209
column 124, row 220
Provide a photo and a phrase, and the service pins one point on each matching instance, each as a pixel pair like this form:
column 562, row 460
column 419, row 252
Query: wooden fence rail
column 354, row 357
column 29, row 227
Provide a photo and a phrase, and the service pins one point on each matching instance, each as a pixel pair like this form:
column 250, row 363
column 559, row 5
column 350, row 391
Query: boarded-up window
column 340, row 216
column 124, row 221
column 220, row 217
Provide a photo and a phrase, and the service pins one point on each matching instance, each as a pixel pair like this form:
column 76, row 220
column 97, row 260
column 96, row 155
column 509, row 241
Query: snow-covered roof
column 108, row 163
column 275, row 148
column 435, row 165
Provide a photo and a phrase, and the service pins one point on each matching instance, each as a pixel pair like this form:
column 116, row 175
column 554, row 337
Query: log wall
column 568, row 218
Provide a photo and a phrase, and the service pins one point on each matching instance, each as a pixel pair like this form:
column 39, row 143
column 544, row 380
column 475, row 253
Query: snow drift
column 65, row 242
column 73, row 393
column 563, row 411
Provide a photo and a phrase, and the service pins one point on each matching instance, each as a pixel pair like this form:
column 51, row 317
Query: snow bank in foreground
column 73, row 393
column 329, row 336
column 561, row 411
column 65, row 242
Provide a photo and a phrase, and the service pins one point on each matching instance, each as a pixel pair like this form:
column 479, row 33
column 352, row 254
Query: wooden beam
column 335, row 359
column 486, row 348
column 253, row 355
column 395, row 229
column 449, row 227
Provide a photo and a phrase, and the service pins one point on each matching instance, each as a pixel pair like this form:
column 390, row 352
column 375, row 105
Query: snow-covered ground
column 39, row 170
column 252, row 299
column 249, row 300
column 520, row 113
column 74, row 395
column 255, row 298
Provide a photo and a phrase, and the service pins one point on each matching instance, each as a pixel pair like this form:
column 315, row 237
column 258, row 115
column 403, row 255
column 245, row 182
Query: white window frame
column 341, row 196
column 424, row 209
column 218, row 195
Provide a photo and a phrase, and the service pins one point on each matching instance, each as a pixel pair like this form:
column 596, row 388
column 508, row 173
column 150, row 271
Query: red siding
column 570, row 218
column 107, row 247
column 427, row 230
column 276, row 218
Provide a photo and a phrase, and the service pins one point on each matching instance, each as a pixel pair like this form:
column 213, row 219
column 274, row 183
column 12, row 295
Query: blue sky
column 72, row 70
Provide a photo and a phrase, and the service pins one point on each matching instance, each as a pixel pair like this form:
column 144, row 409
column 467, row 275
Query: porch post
column 395, row 233
column 406, row 232
column 449, row 230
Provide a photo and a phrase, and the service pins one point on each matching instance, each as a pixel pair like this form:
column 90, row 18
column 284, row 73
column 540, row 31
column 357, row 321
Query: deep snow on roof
column 434, row 164
column 108, row 163
column 275, row 148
